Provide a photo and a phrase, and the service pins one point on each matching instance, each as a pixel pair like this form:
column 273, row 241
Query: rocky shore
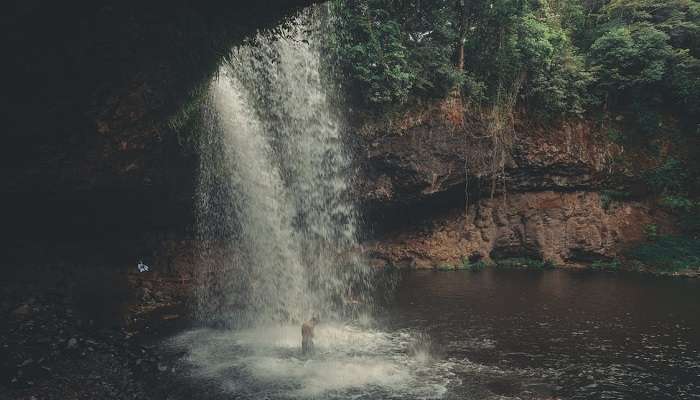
column 61, row 342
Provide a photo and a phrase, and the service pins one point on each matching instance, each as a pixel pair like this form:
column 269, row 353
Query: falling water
column 275, row 174
column 278, row 234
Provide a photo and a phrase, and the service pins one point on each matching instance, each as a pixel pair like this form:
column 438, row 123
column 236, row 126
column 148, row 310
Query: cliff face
column 429, row 159
column 546, row 202
column 561, row 227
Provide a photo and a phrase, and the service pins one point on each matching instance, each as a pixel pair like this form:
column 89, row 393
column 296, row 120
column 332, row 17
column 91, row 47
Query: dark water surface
column 557, row 334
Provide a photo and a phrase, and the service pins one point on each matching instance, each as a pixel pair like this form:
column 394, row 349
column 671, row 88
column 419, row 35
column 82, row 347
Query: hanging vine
column 488, row 149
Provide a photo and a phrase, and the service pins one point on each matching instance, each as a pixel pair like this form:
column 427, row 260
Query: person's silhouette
column 307, row 335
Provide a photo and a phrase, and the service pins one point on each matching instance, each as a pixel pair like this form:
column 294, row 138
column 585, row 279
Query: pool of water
column 494, row 334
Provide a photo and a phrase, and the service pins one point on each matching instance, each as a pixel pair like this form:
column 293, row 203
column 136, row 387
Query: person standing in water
column 307, row 335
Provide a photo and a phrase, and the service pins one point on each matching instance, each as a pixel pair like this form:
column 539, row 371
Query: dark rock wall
column 426, row 207
column 88, row 90
column 429, row 160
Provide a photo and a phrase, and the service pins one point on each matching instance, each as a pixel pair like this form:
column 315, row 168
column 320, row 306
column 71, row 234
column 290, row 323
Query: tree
column 646, row 59
column 390, row 51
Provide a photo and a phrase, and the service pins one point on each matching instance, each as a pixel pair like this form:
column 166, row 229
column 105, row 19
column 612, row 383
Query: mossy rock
column 445, row 267
column 525, row 263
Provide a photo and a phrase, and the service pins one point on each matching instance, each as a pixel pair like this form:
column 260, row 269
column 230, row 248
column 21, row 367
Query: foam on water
column 349, row 362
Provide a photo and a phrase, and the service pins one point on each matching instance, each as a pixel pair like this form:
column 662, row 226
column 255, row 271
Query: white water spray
column 275, row 172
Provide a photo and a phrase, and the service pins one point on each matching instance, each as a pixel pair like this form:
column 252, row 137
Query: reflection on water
column 578, row 335
column 485, row 335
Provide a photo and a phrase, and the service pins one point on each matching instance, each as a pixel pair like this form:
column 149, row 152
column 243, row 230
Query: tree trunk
column 462, row 15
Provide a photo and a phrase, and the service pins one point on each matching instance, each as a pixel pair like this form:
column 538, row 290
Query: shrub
column 528, row 263
column 651, row 231
column 608, row 196
column 678, row 203
column 601, row 265
column 669, row 177
column 646, row 51
column 616, row 136
column 445, row 267
column 391, row 52
column 669, row 253
column 474, row 265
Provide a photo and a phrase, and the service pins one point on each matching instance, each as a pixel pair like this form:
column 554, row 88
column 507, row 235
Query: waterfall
column 277, row 226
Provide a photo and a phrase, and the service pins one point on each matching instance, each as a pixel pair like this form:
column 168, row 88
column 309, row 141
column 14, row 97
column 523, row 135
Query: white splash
column 350, row 362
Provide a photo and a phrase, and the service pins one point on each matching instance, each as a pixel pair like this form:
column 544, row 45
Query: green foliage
column 616, row 136
column 557, row 79
column 651, row 231
column 646, row 58
column 639, row 56
column 600, row 265
column 528, row 263
column 608, row 196
column 636, row 57
column 674, row 181
column 390, row 51
column 669, row 253
column 679, row 203
column 512, row 40
column 669, row 177
column 445, row 267
column 687, row 211
column 474, row 265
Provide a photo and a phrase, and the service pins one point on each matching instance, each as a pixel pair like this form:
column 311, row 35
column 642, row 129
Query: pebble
column 72, row 343
column 26, row 362
column 22, row 311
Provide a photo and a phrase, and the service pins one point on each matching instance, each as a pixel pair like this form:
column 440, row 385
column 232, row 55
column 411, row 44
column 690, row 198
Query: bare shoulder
column 307, row 328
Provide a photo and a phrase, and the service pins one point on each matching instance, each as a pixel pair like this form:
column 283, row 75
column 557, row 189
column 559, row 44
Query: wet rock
column 429, row 159
column 48, row 355
column 22, row 311
column 564, row 228
column 72, row 344
column 26, row 363
column 144, row 295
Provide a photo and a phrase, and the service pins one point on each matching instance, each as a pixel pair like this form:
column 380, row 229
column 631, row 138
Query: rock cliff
column 429, row 206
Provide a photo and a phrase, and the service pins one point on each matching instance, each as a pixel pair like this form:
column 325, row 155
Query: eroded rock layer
column 562, row 227
column 547, row 202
